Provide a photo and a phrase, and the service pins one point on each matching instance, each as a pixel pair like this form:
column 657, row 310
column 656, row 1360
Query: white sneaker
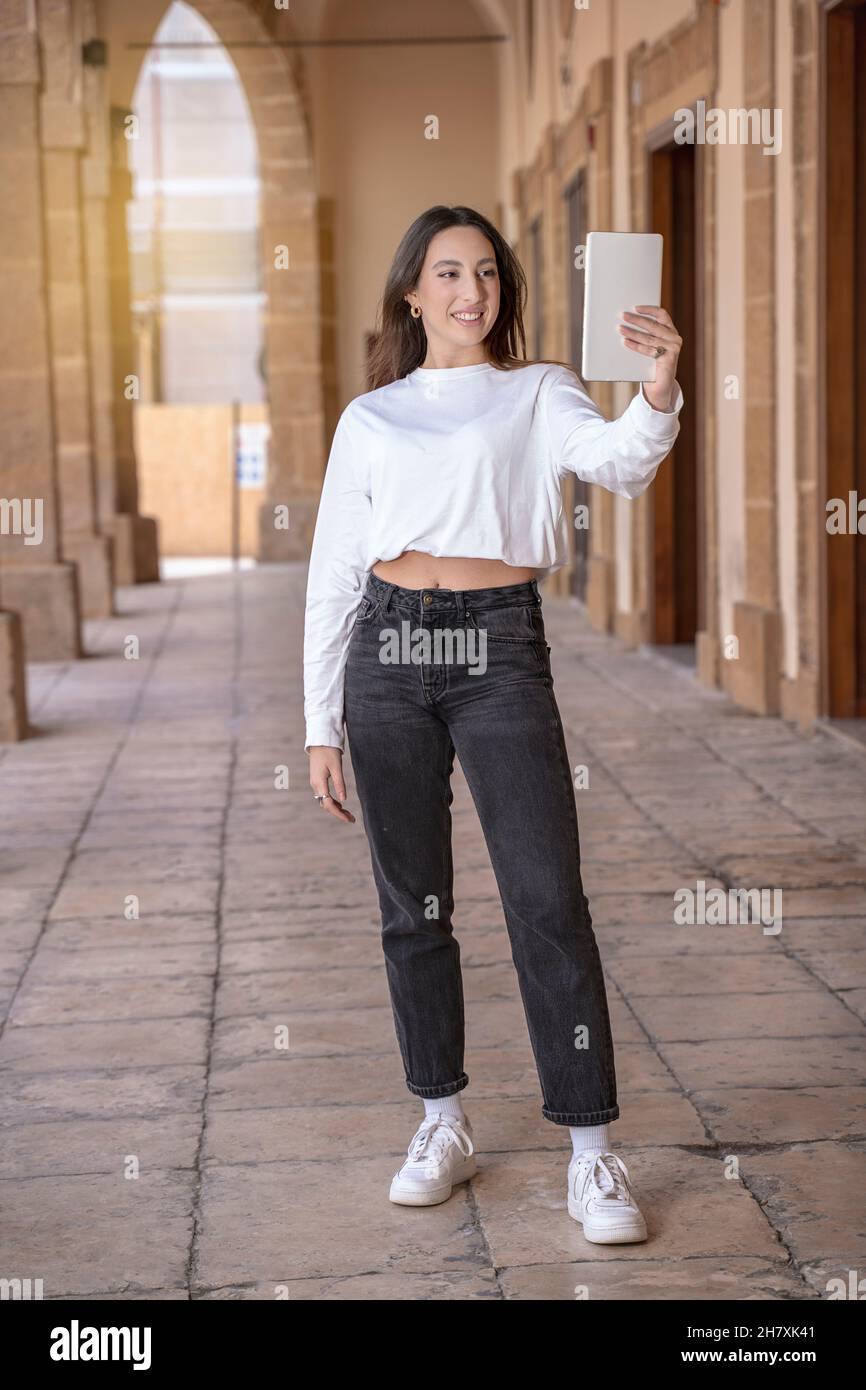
column 441, row 1154
column 599, row 1197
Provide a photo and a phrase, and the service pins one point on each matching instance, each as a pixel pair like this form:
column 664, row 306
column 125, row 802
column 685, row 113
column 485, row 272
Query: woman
column 441, row 507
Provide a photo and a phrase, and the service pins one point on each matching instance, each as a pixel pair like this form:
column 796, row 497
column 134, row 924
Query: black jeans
column 407, row 710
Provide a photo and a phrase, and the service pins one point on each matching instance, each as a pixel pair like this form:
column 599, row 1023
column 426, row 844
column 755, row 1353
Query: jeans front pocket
column 514, row 636
column 514, row 623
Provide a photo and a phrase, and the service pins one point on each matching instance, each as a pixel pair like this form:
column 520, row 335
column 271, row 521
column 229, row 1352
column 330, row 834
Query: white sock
column 593, row 1138
column 444, row 1105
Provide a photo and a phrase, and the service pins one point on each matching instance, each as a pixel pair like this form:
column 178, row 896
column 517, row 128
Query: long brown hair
column 400, row 341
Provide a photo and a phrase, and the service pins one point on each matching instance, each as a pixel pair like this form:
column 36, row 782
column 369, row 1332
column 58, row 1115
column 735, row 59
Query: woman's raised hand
column 647, row 337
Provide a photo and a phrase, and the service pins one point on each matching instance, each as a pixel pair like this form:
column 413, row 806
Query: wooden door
column 844, row 157
column 677, row 552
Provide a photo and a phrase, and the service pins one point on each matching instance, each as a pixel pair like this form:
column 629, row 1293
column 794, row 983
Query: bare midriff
column 414, row 569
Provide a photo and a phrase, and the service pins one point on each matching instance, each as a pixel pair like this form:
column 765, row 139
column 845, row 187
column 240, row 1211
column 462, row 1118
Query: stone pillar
column 708, row 651
column 34, row 582
column 13, row 697
column 554, row 311
column 754, row 677
column 808, row 159
column 136, row 551
column 63, row 140
column 95, row 185
column 297, row 296
column 327, row 274
column 601, row 571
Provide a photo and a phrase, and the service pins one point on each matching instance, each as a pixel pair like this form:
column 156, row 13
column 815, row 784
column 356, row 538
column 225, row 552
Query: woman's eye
column 444, row 274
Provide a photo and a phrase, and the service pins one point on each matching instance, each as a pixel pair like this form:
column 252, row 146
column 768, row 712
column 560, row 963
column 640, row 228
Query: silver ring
column 320, row 798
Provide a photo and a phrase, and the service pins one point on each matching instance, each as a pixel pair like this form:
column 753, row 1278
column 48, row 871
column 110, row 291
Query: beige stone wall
column 185, row 470
column 760, row 562
column 807, row 697
column 372, row 157
column 730, row 334
column 786, row 476
column 614, row 31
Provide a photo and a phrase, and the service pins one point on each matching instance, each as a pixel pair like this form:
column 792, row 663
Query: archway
column 291, row 270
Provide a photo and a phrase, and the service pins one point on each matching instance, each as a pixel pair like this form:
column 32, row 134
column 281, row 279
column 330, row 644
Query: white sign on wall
column 251, row 459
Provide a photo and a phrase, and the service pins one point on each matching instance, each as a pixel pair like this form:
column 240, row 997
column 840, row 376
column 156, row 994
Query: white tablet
column 622, row 269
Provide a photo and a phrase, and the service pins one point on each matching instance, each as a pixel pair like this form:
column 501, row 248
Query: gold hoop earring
column 416, row 311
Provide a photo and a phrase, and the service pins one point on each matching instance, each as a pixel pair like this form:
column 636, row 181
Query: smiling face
column 458, row 293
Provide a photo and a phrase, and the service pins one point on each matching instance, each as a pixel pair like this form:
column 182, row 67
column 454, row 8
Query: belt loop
column 461, row 604
column 534, row 583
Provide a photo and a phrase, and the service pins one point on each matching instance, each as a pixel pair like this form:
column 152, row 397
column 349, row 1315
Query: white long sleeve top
column 460, row 461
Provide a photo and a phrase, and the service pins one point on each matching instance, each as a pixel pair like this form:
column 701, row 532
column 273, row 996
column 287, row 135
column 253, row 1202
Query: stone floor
column 157, row 1142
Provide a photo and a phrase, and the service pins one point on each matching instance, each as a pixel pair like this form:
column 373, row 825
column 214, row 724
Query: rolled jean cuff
column 449, row 1088
column 581, row 1117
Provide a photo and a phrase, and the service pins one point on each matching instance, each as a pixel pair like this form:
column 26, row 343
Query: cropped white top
column 460, row 461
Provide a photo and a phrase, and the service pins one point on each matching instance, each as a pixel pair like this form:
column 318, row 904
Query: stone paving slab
column 169, row 1141
column 155, row 896
column 801, row 1014
column 815, row 1192
column 691, row 1210
column 827, row 1061
column 709, row 973
column 127, row 1293
column 128, row 1044
column 96, row 1094
column 856, row 1000
column 649, row 941
column 264, row 1173
column 748, row 1115
column 107, row 934
column 134, row 963
column 251, row 1228
column 115, row 1230
column 127, row 865
column 729, row 1278
column 68, row 1000
column 842, row 971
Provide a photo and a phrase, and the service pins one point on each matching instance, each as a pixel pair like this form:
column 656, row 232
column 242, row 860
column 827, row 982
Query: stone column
column 63, row 140
column 95, row 186
column 754, row 678
column 807, row 701
column 297, row 297
column 554, row 312
column 601, row 573
column 109, row 320
column 327, row 274
column 34, row 582
column 136, row 553
column 13, row 693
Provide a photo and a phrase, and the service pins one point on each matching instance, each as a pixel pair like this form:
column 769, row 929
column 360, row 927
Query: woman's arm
column 338, row 565
column 622, row 455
